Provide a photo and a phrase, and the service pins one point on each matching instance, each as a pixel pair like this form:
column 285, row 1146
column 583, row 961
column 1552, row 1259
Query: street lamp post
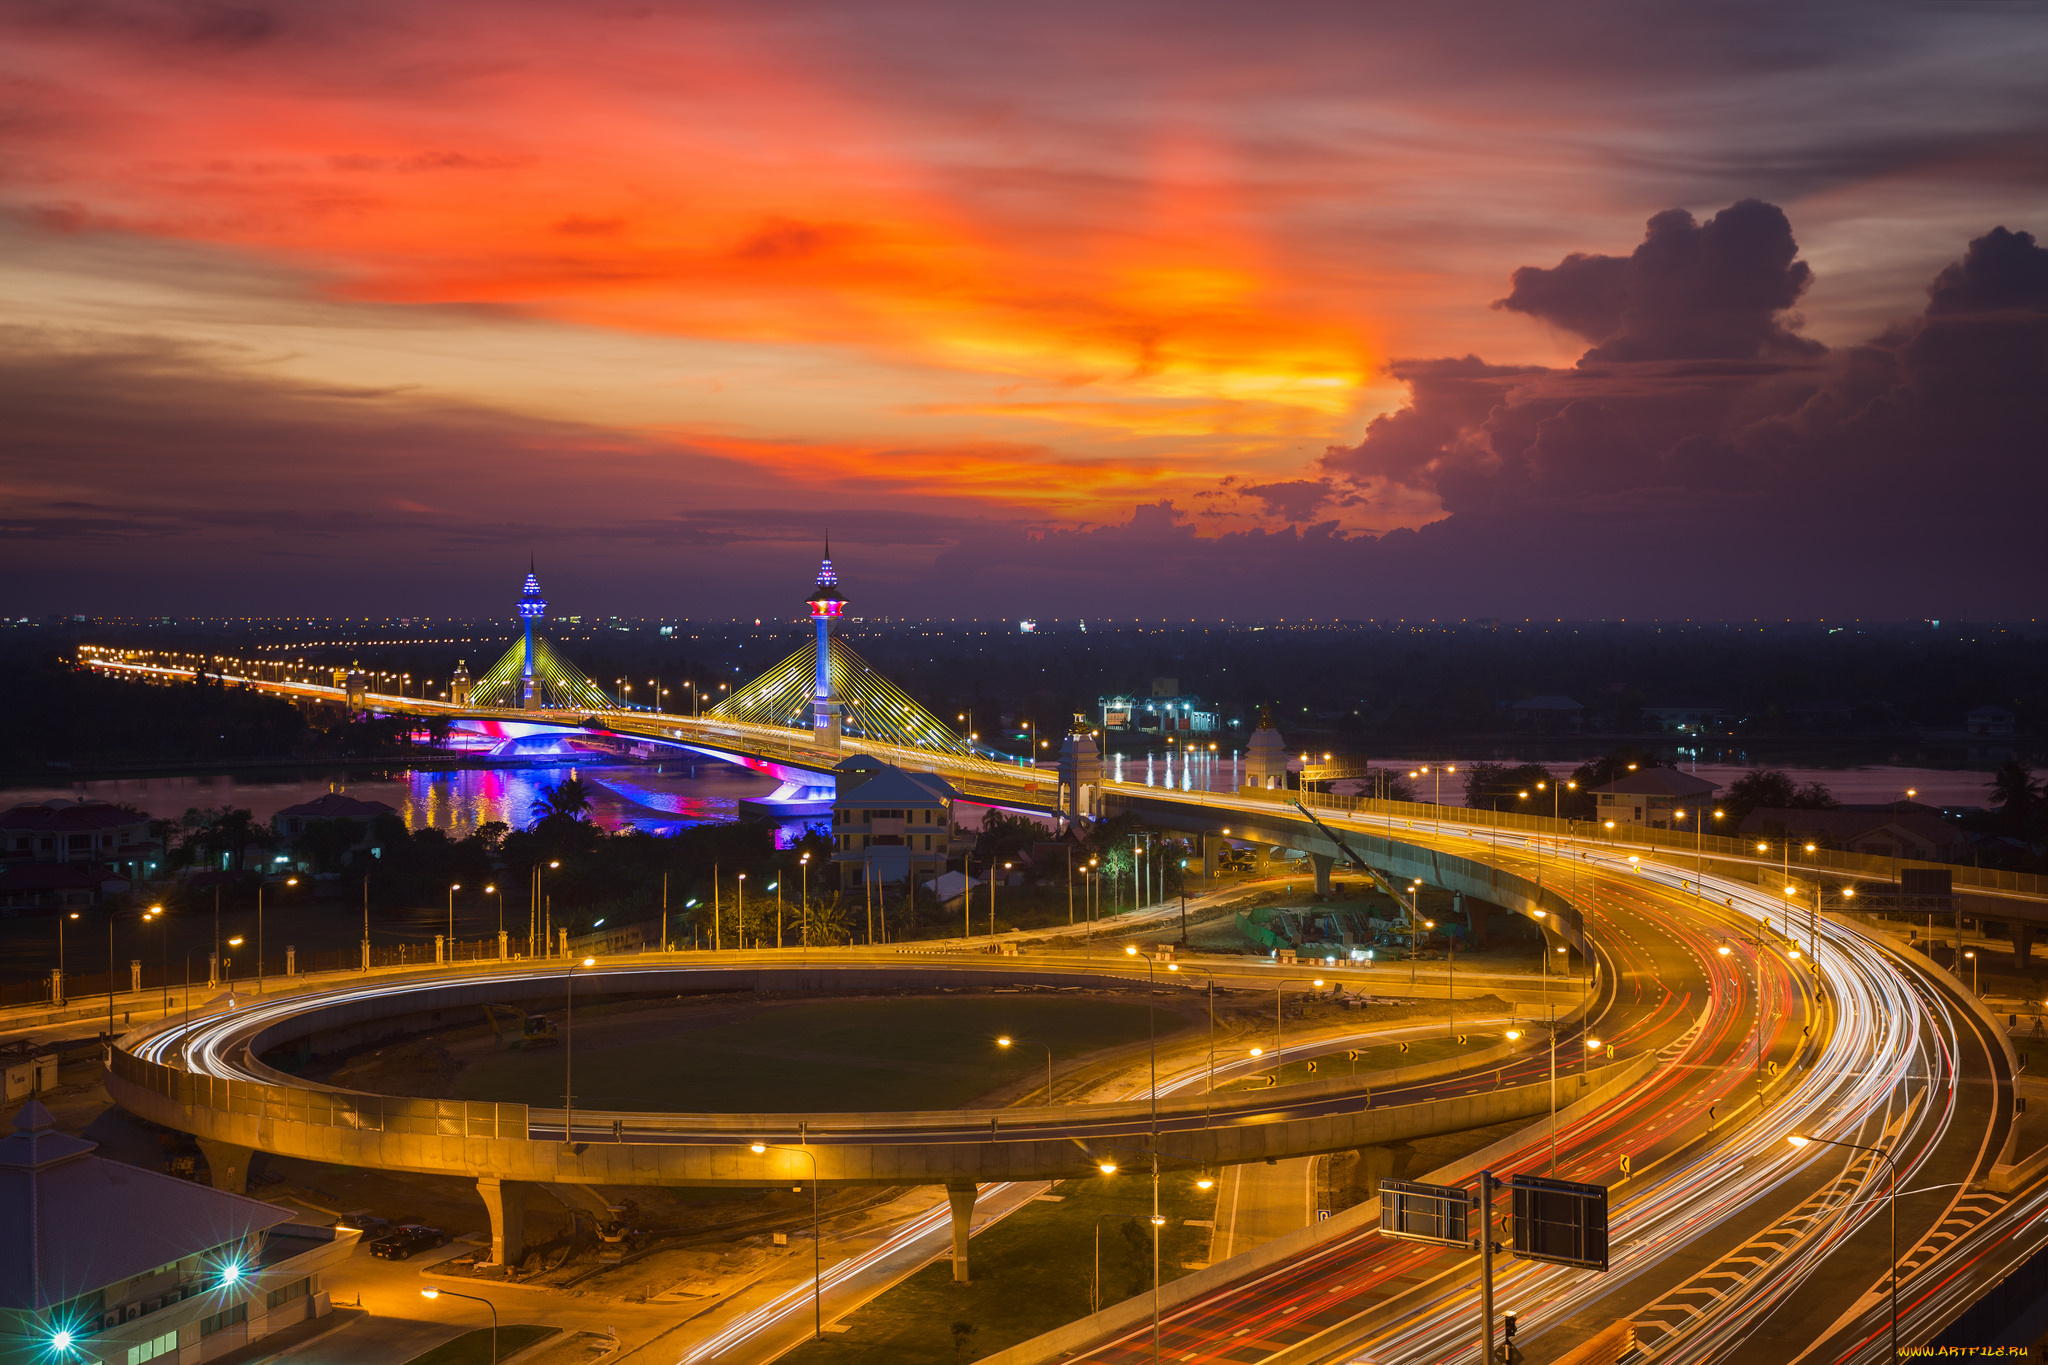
column 288, row 881
column 453, row 887
column 1007, row 1041
column 492, row 889
column 1151, row 1018
column 433, row 1292
column 1891, row 1195
column 569, row 1048
column 804, row 916
column 817, row 1271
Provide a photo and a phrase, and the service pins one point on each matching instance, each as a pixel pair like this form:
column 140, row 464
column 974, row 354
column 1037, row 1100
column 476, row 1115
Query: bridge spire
column 532, row 607
column 825, row 605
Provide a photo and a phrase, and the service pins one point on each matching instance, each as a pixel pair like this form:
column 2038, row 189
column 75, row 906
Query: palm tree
column 568, row 799
column 2016, row 792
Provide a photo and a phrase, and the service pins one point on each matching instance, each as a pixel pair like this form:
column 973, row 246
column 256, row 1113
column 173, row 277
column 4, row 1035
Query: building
column 80, row 833
column 1158, row 715
column 1265, row 757
column 291, row 822
column 1913, row 831
column 101, row 1261
column 889, row 824
column 1548, row 715
column 1690, row 718
column 1990, row 720
column 1650, row 796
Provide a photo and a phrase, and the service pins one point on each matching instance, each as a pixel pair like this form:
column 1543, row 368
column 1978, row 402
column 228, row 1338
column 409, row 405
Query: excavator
column 519, row 1031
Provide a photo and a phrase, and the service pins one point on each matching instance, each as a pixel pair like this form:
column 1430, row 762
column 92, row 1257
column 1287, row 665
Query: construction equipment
column 519, row 1031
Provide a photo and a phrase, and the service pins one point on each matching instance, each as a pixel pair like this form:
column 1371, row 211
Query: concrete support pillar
column 440, row 949
column 135, row 974
column 1322, row 863
column 960, row 1194
column 228, row 1163
column 505, row 1201
column 504, row 945
column 291, row 960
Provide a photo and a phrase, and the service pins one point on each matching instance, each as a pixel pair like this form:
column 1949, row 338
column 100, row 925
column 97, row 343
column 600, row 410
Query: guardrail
column 1468, row 820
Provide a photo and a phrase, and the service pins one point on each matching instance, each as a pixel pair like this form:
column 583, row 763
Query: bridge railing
column 322, row 1108
column 1477, row 823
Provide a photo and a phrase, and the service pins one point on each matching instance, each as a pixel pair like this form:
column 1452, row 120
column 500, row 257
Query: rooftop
column 1659, row 782
column 335, row 806
column 70, row 817
column 72, row 1222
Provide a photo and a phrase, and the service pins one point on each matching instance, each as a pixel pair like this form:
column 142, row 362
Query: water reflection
column 657, row 797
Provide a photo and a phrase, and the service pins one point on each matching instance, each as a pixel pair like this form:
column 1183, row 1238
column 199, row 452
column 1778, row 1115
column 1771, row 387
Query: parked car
column 403, row 1241
column 362, row 1220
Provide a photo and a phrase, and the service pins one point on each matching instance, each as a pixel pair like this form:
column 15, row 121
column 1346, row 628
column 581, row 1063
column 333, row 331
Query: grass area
column 474, row 1348
column 821, row 1056
column 1386, row 1057
column 1032, row 1273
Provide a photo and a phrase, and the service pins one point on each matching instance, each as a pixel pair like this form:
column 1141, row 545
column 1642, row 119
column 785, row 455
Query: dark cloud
column 1700, row 417
column 1717, row 290
column 1294, row 500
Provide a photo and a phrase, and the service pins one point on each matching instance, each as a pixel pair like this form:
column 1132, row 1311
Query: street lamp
column 817, row 1272
column 432, row 1292
column 1891, row 1195
column 492, row 889
column 1972, row 959
column 453, row 887
column 803, row 865
column 569, row 1048
column 1007, row 1041
column 288, row 881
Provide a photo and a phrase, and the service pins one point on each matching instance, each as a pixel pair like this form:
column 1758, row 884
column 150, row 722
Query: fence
column 1635, row 836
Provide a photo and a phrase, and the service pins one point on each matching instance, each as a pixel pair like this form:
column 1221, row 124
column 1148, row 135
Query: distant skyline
column 1136, row 311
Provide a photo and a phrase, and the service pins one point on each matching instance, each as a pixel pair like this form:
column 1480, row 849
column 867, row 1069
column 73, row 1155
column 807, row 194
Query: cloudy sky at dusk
column 1165, row 310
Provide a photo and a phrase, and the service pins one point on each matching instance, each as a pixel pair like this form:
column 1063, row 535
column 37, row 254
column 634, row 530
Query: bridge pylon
column 825, row 605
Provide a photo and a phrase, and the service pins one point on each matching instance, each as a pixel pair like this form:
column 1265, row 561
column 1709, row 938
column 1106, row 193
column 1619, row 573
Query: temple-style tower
column 825, row 604
column 1080, row 772
column 532, row 607
column 460, row 686
column 1265, row 757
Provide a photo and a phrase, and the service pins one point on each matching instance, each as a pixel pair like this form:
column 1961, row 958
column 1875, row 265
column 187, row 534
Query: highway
column 1697, row 1180
column 1722, row 1229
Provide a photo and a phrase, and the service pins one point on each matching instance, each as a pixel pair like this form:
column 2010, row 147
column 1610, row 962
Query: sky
column 1176, row 311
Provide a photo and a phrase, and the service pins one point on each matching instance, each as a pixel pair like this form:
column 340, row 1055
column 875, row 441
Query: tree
column 2016, row 793
column 962, row 1332
column 234, row 832
column 1497, row 786
column 326, row 842
column 568, row 799
column 1769, row 789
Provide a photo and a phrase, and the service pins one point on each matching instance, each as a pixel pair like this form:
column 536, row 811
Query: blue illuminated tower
column 532, row 607
column 825, row 604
